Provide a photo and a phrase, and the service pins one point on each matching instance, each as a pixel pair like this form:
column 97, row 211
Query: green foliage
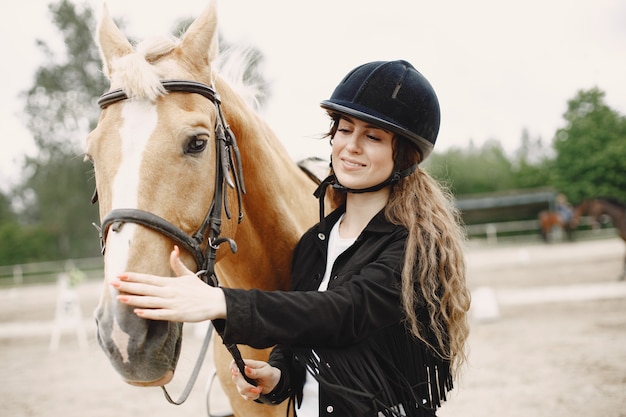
column 23, row 244
column 531, row 165
column 63, row 205
column 591, row 149
column 588, row 157
column 487, row 169
column 20, row 243
column 6, row 212
column 60, row 112
column 474, row 170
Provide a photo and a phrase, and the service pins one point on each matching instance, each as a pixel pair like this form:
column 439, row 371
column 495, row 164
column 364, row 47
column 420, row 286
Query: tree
column 591, row 149
column 6, row 212
column 472, row 170
column 21, row 243
column 532, row 163
column 60, row 112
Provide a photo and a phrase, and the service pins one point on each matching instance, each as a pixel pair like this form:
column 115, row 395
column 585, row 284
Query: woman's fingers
column 136, row 278
column 145, row 284
column 246, row 390
column 141, row 285
column 259, row 371
column 156, row 314
column 177, row 265
column 134, row 288
column 142, row 301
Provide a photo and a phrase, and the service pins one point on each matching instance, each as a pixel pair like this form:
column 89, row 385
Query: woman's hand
column 184, row 298
column 266, row 377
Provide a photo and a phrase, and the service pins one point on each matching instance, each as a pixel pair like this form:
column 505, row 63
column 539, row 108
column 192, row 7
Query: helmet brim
column 424, row 146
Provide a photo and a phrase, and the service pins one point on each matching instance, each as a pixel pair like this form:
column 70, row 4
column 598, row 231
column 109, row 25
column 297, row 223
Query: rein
column 229, row 172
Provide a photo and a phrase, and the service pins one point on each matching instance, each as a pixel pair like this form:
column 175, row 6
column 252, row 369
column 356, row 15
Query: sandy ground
column 548, row 340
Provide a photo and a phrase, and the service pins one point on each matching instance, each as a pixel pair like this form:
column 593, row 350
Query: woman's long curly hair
column 434, row 265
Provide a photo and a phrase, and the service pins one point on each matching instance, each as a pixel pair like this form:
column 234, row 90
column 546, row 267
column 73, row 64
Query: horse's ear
column 112, row 43
column 200, row 43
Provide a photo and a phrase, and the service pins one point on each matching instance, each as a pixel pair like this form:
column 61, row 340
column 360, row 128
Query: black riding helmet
column 394, row 96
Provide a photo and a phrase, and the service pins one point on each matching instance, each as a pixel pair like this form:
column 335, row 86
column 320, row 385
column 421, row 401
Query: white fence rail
column 491, row 231
column 48, row 271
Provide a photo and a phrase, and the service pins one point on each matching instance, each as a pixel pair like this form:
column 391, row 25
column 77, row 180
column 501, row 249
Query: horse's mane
column 139, row 76
column 232, row 65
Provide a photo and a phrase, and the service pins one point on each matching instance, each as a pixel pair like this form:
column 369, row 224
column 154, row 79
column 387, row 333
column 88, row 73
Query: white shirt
column 336, row 246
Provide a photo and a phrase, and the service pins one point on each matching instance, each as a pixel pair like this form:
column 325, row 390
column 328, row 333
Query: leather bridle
column 229, row 172
column 227, row 167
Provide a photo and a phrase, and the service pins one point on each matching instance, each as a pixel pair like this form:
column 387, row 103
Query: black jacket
column 365, row 358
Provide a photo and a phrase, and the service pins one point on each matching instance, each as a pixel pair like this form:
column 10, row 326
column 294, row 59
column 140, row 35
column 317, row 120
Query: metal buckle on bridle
column 228, row 170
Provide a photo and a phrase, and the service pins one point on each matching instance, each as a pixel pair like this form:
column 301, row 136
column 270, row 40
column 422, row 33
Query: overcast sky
column 498, row 66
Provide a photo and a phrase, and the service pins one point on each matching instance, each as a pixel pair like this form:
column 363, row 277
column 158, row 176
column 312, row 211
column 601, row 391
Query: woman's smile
column 350, row 163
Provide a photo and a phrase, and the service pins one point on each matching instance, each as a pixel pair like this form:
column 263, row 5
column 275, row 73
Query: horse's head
column 153, row 151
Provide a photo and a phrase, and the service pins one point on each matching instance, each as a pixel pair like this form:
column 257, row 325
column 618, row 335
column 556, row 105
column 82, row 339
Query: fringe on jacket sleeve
column 392, row 375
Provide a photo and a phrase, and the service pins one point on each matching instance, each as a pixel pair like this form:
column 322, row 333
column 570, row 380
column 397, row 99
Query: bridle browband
column 204, row 250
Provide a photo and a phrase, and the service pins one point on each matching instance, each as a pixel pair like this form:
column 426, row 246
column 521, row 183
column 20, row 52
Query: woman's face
column 362, row 153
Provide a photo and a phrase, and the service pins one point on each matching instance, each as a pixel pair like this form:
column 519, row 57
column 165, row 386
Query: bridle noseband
column 228, row 171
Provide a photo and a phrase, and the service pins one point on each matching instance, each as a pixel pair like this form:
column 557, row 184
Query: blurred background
column 532, row 144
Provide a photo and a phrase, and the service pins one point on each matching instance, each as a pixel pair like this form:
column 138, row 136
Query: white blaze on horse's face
column 118, row 327
column 125, row 190
column 139, row 122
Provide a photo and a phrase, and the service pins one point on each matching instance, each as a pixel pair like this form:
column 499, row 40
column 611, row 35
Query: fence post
column 492, row 233
column 68, row 313
column 18, row 276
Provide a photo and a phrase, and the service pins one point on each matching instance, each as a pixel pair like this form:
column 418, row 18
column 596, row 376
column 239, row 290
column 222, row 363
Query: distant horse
column 549, row 219
column 171, row 134
column 611, row 207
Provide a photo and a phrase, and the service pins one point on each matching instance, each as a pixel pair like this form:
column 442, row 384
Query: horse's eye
column 196, row 144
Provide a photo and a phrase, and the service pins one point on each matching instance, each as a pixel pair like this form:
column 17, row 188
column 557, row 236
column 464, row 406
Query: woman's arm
column 362, row 302
column 358, row 303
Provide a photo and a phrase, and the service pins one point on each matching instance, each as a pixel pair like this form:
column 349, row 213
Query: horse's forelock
column 137, row 74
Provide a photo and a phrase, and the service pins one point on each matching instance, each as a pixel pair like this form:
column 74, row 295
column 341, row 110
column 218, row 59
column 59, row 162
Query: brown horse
column 549, row 219
column 169, row 125
column 610, row 207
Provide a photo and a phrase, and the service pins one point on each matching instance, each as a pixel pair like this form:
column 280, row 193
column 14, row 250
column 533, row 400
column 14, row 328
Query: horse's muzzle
column 158, row 383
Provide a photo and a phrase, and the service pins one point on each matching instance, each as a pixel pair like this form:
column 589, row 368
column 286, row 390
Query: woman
column 376, row 322
column 564, row 209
